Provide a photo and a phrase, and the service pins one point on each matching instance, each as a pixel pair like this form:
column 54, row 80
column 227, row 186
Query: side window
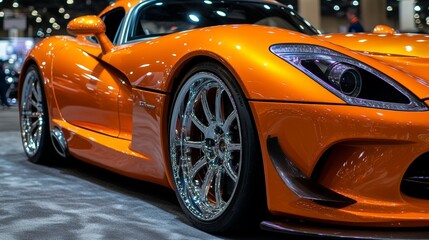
column 113, row 21
column 157, row 20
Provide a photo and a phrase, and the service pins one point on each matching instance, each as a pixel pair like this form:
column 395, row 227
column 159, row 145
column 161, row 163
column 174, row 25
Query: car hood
column 411, row 45
column 408, row 53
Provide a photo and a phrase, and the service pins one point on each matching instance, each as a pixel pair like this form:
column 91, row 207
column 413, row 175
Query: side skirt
column 111, row 153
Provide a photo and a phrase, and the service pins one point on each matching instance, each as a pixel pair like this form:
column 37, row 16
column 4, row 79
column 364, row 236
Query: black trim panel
column 299, row 183
column 151, row 90
column 318, row 231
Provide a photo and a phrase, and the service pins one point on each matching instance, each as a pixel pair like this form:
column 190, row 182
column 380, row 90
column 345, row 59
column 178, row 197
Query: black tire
column 34, row 119
column 243, row 205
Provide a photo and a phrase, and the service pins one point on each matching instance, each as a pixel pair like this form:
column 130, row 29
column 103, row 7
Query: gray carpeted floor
column 77, row 201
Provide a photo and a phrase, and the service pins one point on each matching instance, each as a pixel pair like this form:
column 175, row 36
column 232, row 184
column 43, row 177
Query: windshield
column 160, row 18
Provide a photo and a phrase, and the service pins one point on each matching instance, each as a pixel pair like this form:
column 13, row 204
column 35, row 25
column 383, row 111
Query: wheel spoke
column 206, row 107
column 218, row 186
column 36, row 137
column 231, row 173
column 234, row 147
column 193, row 144
column 38, row 132
column 208, row 179
column 218, row 105
column 35, row 125
column 198, row 123
column 36, row 92
column 39, row 93
column 197, row 167
column 34, row 103
column 232, row 116
column 26, row 113
column 176, row 140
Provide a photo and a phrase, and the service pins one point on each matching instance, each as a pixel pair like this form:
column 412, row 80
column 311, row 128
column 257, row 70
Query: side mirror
column 91, row 26
column 384, row 29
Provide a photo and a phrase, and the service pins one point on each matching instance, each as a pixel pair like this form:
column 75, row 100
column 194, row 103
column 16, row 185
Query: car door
column 88, row 90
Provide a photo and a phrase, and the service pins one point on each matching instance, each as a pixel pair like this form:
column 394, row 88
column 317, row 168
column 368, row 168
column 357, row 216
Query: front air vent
column 415, row 182
column 59, row 142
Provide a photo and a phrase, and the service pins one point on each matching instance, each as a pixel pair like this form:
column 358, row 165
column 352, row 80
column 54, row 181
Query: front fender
column 41, row 56
column 243, row 49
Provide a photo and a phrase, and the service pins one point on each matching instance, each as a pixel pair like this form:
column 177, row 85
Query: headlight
column 345, row 78
column 352, row 81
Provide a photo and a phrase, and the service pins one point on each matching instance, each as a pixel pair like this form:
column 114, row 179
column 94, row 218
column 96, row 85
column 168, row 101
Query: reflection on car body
column 243, row 109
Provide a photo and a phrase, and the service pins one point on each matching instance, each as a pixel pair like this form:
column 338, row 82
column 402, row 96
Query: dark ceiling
column 49, row 4
column 50, row 17
column 47, row 17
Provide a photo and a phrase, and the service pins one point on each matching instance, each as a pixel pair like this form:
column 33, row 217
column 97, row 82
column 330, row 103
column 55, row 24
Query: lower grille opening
column 415, row 182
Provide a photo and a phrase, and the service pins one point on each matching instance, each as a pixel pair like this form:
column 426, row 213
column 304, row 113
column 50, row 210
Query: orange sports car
column 245, row 110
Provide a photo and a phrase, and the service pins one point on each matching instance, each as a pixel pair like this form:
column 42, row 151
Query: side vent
column 415, row 182
column 59, row 142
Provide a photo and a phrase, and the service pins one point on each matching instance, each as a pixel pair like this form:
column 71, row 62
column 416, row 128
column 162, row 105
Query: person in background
column 355, row 25
column 3, row 86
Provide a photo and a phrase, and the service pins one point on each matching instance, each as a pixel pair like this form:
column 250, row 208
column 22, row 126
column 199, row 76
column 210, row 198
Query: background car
column 242, row 109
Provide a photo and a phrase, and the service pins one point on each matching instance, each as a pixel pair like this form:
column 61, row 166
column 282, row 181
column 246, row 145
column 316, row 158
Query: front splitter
column 329, row 231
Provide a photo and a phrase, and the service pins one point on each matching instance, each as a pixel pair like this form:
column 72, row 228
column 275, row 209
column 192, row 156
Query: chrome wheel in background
column 34, row 118
column 212, row 149
column 31, row 113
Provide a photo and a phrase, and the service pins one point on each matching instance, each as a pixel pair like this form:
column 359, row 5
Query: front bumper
column 359, row 153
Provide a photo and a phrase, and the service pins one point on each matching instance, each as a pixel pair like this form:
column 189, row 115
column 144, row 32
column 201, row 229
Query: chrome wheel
column 32, row 114
column 205, row 146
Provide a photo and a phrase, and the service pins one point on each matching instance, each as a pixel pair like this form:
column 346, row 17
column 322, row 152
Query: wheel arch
column 45, row 74
column 41, row 56
column 30, row 61
column 191, row 60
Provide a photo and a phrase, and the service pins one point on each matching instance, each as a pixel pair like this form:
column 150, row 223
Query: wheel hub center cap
column 214, row 143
